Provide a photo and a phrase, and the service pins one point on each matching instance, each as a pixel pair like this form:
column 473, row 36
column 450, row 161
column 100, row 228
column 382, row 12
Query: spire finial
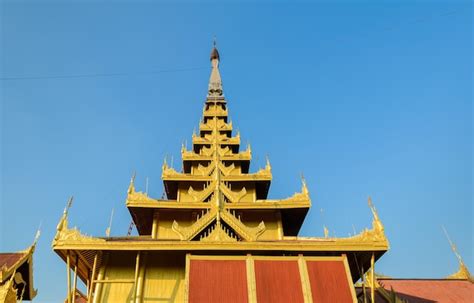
column 63, row 222
column 215, row 81
column 214, row 52
column 131, row 187
column 38, row 233
column 376, row 223
column 462, row 273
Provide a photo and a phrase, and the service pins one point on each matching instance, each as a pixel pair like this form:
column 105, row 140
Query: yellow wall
column 163, row 281
column 120, row 265
column 164, row 278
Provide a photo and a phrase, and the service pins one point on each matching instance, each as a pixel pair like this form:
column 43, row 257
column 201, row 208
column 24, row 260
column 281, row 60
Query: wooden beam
column 154, row 228
column 141, row 279
column 251, row 284
column 68, row 270
column 186, row 278
column 372, row 282
column 305, row 283
column 98, row 286
column 75, row 278
column 135, row 281
column 91, row 283
column 349, row 278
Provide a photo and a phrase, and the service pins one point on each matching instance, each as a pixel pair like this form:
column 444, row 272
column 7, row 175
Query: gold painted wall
column 252, row 219
column 120, row 265
column 164, row 278
column 165, row 221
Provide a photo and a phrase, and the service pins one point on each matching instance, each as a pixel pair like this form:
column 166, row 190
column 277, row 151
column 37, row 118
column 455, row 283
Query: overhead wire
column 102, row 74
column 95, row 75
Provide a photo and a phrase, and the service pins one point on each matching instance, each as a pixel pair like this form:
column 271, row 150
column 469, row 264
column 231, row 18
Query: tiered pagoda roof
column 215, row 179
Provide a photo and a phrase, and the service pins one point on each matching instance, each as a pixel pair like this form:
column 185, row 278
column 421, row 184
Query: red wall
column 217, row 281
column 278, row 281
column 329, row 282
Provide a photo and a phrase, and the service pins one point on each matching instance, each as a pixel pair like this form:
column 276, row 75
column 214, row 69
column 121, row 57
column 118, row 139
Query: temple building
column 16, row 275
column 216, row 237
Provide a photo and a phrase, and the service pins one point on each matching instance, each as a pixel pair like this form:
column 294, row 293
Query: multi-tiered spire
column 215, row 178
column 215, row 172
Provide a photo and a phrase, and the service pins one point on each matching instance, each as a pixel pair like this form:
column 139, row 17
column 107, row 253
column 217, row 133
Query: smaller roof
column 431, row 290
column 18, row 267
column 8, row 261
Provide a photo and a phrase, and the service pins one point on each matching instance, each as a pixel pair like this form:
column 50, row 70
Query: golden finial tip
column 69, row 204
column 37, row 235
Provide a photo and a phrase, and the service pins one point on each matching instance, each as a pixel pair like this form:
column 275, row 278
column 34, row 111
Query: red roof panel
column 9, row 259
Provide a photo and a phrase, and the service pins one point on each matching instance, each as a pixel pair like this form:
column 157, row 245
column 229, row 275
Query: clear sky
column 363, row 98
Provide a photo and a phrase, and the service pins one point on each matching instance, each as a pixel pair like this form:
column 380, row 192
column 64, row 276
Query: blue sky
column 363, row 98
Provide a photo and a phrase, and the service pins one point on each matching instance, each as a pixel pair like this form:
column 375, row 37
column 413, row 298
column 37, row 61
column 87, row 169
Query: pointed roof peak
column 215, row 81
column 214, row 51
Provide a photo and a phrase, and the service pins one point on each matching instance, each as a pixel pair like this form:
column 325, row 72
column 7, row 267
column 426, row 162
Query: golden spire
column 268, row 166
column 109, row 228
column 462, row 273
column 131, row 187
column 326, row 232
column 376, row 223
column 215, row 81
column 304, row 188
column 37, row 236
column 63, row 221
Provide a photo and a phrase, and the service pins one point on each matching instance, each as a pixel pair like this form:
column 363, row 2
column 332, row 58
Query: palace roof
column 215, row 206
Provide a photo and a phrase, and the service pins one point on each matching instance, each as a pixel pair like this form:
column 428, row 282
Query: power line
column 102, row 74
column 422, row 19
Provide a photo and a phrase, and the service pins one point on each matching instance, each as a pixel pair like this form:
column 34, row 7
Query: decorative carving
column 376, row 234
column 205, row 170
column 224, row 151
column 303, row 195
column 248, row 233
column 233, row 197
column 376, row 223
column 226, row 170
column 206, row 151
column 200, row 196
column 264, row 172
column 167, row 171
column 8, row 292
column 63, row 233
column 75, row 235
column 189, row 232
column 218, row 234
column 215, row 111
column 462, row 273
column 134, row 196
